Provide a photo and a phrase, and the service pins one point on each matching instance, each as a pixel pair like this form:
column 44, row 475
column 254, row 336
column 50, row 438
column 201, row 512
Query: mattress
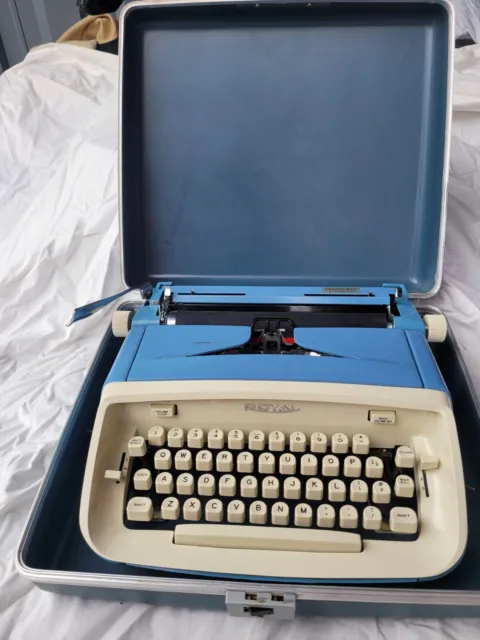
column 59, row 249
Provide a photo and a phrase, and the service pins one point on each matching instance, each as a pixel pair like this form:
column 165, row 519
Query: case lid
column 284, row 144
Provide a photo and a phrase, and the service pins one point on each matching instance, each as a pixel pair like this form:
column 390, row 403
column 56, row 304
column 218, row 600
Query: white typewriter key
column 192, row 509
column 183, row 460
column 360, row 444
column 266, row 463
column 185, row 484
column 372, row 519
column 314, row 489
column 164, row 483
column 139, row 509
column 381, row 492
column 292, row 489
column 206, row 485
column 248, row 487
column 204, row 461
column 359, row 491
column 326, row 516
column 156, row 436
column 308, row 465
column 195, row 439
column 258, row 512
column 404, row 487
column 170, row 509
column 276, row 441
column 175, row 438
column 236, row 512
column 374, row 467
column 348, row 517
column 137, row 447
column 318, row 442
column 339, row 443
column 298, row 442
column 227, row 485
column 288, row 464
column 330, row 466
column 224, row 461
column 214, row 511
column 403, row 520
column 142, row 480
column 280, row 515
column 337, row 491
column 270, row 487
column 162, row 459
column 245, row 462
column 303, row 515
column 236, row 439
column 404, row 457
column 215, row 439
column 352, row 467
column 256, row 440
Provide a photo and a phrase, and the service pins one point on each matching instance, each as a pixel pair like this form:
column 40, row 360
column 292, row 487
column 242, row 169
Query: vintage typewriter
column 310, row 437
column 275, row 411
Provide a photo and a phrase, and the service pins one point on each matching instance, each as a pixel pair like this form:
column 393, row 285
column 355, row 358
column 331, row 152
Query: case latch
column 261, row 604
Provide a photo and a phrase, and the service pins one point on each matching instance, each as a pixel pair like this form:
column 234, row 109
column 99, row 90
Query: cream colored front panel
column 423, row 420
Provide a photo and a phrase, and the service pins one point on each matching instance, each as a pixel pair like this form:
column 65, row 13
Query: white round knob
column 121, row 323
column 436, row 327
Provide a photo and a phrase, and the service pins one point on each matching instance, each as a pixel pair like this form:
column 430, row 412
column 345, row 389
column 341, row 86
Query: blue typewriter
column 275, row 411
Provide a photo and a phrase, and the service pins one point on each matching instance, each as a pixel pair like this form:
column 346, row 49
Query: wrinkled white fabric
column 459, row 296
column 467, row 18
column 59, row 249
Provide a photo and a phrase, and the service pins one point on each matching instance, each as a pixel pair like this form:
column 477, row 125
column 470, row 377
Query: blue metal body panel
column 383, row 357
column 398, row 357
column 274, row 367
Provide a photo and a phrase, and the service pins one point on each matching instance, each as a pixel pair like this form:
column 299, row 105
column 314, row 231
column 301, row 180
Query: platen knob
column 436, row 325
column 121, row 323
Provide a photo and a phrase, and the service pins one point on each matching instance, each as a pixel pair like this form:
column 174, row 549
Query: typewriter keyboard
column 297, row 481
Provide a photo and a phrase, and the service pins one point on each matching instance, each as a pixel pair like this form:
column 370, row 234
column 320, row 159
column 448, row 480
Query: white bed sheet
column 59, row 249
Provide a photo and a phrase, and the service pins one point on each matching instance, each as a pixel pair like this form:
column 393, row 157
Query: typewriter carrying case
column 273, row 144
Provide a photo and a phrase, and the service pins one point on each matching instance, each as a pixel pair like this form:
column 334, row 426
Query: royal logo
column 271, row 408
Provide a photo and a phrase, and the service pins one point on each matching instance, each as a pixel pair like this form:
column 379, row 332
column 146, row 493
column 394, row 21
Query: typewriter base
column 58, row 559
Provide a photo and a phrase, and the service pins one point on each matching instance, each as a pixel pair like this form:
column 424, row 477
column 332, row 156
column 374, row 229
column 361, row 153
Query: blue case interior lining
column 284, row 143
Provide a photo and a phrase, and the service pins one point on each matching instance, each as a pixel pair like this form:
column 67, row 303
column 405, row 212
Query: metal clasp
column 272, row 605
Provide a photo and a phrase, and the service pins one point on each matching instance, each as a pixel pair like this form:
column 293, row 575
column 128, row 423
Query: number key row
column 257, row 441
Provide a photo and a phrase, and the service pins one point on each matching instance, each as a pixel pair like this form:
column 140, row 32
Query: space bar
column 266, row 538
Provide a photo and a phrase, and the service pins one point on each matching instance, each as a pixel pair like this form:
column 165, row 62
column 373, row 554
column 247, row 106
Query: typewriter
column 275, row 411
column 308, row 438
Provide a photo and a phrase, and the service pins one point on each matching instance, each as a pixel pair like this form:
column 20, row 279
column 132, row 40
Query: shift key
column 403, row 520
